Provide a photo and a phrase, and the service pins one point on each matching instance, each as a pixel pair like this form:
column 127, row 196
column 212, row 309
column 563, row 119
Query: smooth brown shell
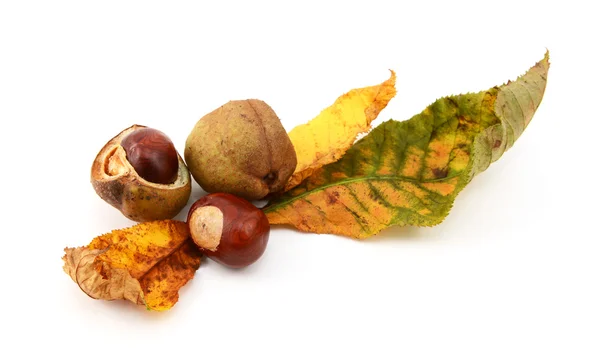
column 245, row 230
column 117, row 183
column 152, row 155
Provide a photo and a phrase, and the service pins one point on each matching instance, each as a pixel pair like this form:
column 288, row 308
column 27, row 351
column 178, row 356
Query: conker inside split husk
column 140, row 173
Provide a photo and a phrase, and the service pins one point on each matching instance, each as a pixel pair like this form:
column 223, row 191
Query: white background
column 511, row 273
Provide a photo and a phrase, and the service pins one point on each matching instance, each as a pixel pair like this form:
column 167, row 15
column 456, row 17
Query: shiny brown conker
column 152, row 155
column 228, row 229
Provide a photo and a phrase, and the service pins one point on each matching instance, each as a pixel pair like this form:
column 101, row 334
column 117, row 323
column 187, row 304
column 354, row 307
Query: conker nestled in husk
column 140, row 173
column 241, row 148
column 228, row 229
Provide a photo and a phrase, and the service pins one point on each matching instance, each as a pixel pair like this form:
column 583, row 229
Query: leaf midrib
column 271, row 208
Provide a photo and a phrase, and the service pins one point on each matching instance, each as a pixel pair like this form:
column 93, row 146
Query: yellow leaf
column 145, row 264
column 326, row 138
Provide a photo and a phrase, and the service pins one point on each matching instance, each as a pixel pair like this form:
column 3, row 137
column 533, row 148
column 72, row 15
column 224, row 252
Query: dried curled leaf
column 326, row 138
column 409, row 173
column 145, row 264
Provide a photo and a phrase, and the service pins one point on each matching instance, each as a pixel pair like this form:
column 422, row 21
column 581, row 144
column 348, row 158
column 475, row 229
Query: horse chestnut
column 152, row 155
column 228, row 229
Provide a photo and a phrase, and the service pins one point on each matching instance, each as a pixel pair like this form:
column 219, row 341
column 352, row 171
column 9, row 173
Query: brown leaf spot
column 303, row 223
column 440, row 172
column 332, row 197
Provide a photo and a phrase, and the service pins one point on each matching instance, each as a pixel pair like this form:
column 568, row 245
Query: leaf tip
column 541, row 67
column 392, row 75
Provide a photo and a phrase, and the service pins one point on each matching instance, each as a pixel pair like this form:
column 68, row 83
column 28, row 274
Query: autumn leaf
column 326, row 138
column 145, row 264
column 409, row 173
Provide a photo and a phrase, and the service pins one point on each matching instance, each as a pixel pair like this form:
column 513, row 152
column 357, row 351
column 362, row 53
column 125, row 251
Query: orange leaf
column 326, row 138
column 145, row 264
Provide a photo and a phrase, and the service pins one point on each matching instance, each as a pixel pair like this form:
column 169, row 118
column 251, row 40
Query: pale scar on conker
column 140, row 173
column 228, row 229
column 241, row 148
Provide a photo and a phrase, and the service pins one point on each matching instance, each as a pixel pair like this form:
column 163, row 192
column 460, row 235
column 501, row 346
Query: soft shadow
column 124, row 310
column 406, row 233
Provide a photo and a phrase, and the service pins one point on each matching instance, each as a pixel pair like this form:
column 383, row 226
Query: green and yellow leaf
column 146, row 264
column 410, row 172
column 326, row 138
